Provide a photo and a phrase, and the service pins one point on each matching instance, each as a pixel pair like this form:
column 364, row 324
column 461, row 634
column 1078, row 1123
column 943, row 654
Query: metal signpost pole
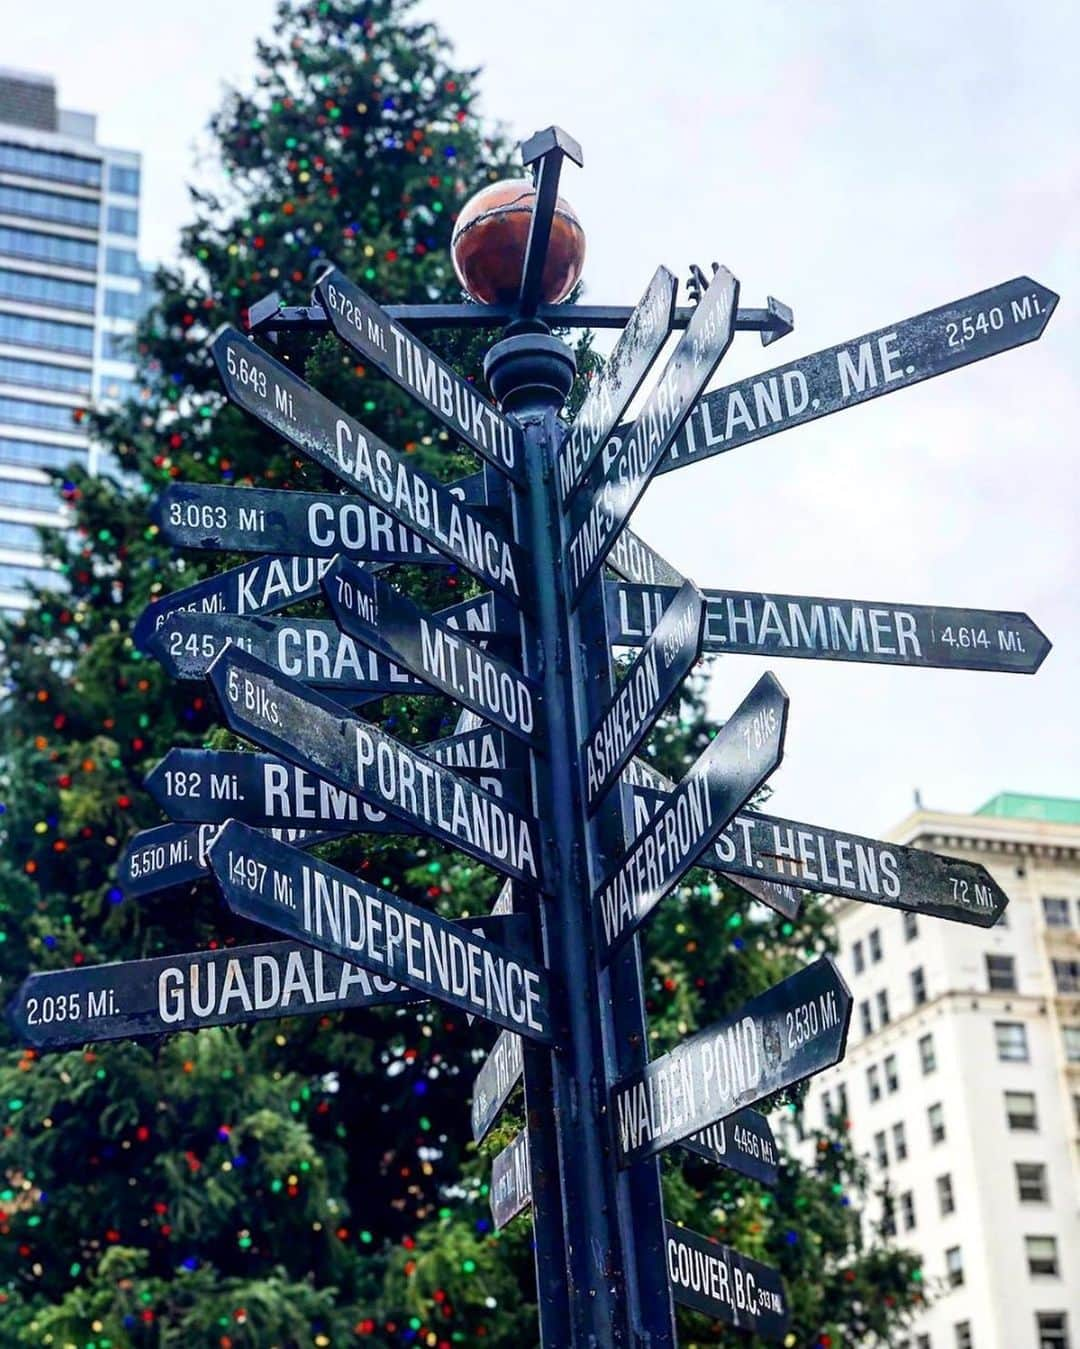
column 607, row 1291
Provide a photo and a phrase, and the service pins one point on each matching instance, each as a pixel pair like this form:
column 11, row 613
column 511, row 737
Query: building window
column 1031, row 1183
column 30, row 288
column 14, row 577
column 873, row 1083
column 1053, row 1330
column 49, row 206
column 911, row 926
column 881, row 1150
column 918, row 986
column 22, row 331
column 883, row 1006
column 1071, row 1035
column 124, row 179
column 873, row 941
column 1020, row 1110
column 954, row 1266
column 1042, row 1255
column 121, row 262
column 927, row 1057
column 50, row 164
column 25, row 412
column 841, row 1100
column 865, row 1019
column 122, row 220
column 1001, row 974
column 945, row 1198
column 25, row 537
column 936, row 1118
column 826, row 1107
column 888, row 1216
column 907, row 1209
column 37, row 496
column 962, row 1330
column 857, row 957
column 1056, row 912
column 899, row 1139
column 118, row 346
column 892, row 1076
column 53, row 248
column 39, row 455
column 1067, row 976
column 1012, row 1042
column 44, row 375
column 121, row 304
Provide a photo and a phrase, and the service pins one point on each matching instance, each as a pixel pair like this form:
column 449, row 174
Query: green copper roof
column 1020, row 806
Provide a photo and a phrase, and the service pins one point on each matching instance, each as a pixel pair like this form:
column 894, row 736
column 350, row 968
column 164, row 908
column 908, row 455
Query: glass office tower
column 71, row 291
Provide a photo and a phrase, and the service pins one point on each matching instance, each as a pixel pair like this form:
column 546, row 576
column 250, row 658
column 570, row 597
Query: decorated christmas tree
column 309, row 1181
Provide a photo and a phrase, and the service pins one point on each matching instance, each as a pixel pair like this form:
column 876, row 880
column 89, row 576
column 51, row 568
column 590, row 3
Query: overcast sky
column 862, row 163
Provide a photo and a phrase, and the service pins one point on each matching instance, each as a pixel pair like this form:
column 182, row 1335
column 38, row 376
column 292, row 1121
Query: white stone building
column 962, row 1079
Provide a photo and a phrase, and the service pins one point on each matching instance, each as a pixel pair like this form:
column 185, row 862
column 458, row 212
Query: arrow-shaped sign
column 346, row 917
column 278, row 398
column 607, row 498
column 784, row 899
column 645, row 690
column 266, row 520
column 968, row 330
column 175, row 854
column 313, row 650
column 368, row 329
column 743, row 1142
column 836, row 863
column 388, row 622
column 511, row 1181
column 59, row 1009
column 812, row 627
column 614, row 387
column 741, row 756
column 791, row 1031
column 214, row 785
column 499, row 1074
column 725, row 1285
column 633, row 559
column 316, row 733
column 260, row 587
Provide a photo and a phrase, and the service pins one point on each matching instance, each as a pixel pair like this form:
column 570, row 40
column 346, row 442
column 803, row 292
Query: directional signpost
column 315, row 733
column 61, row 1009
column 265, row 520
column 540, row 780
column 725, row 776
column 511, row 1183
column 836, row 863
column 343, row 916
column 667, row 657
column 614, row 387
column 281, row 400
column 360, row 322
column 793, row 1030
column 866, row 367
column 810, row 627
column 176, row 854
column 725, row 1285
column 606, row 499
column 742, row 1142
column 390, row 623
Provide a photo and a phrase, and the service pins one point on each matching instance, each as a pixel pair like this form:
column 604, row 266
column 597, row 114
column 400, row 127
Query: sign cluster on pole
column 543, row 771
